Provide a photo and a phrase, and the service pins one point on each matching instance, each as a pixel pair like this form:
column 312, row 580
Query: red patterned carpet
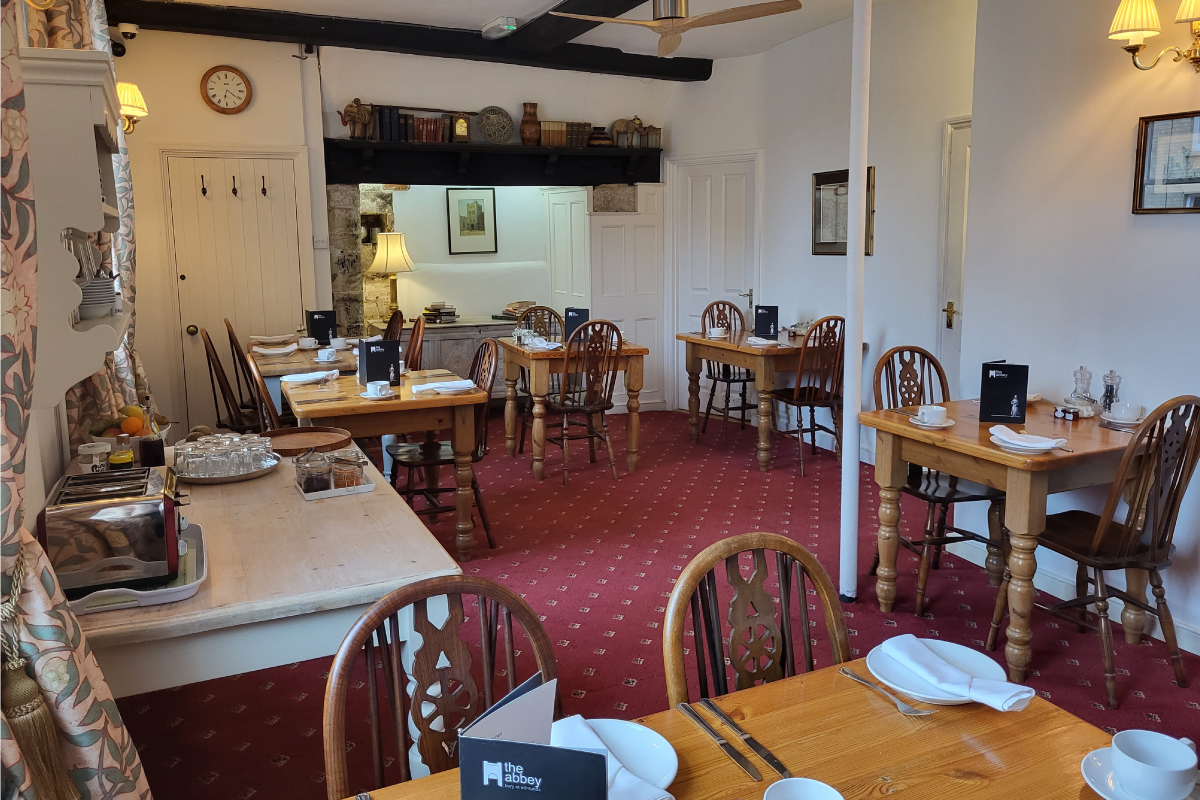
column 597, row 560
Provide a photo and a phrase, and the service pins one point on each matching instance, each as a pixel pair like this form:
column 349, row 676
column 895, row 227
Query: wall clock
column 226, row 89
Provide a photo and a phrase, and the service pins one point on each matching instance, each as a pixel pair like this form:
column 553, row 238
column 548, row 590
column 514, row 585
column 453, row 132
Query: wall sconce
column 391, row 258
column 1137, row 20
column 133, row 105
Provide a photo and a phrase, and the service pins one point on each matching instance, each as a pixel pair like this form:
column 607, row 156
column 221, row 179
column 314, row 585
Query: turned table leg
column 693, row 371
column 539, row 386
column 463, row 444
column 633, row 388
column 511, row 373
column 764, row 382
column 890, row 474
column 1025, row 518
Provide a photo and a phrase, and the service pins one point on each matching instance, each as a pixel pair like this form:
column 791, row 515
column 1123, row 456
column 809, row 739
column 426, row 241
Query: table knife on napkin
column 729, row 749
column 763, row 753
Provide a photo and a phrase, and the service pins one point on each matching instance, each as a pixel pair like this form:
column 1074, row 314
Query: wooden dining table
column 965, row 450
column 273, row 367
column 338, row 404
column 540, row 364
column 825, row 726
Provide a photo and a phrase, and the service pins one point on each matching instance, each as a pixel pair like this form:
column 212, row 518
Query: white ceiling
column 723, row 41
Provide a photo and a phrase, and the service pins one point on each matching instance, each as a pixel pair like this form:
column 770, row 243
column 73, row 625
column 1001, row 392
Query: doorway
column 956, row 174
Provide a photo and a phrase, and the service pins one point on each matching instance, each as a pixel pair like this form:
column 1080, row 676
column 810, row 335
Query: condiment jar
column 122, row 456
column 348, row 468
column 314, row 473
column 93, row 457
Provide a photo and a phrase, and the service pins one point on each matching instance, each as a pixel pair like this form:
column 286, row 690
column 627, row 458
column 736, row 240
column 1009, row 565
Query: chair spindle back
column 592, row 361
column 395, row 326
column 909, row 376
column 822, row 353
column 416, row 340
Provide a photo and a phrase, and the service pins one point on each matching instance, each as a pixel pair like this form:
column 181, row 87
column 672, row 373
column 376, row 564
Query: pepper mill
column 1112, row 385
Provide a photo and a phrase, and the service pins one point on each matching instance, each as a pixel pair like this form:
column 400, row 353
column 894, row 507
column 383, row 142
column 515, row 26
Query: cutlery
column 729, row 749
column 905, row 413
column 763, row 753
column 322, row 400
column 901, row 706
column 1115, row 426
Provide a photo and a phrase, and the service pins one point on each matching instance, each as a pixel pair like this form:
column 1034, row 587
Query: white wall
column 479, row 285
column 1059, row 272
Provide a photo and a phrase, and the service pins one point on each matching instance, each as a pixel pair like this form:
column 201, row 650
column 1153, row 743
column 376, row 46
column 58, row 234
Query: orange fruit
column 131, row 425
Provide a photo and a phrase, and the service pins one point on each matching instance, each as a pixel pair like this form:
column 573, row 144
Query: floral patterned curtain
column 98, row 752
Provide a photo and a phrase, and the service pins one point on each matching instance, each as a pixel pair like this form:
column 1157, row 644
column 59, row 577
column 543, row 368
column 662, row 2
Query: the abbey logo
column 509, row 776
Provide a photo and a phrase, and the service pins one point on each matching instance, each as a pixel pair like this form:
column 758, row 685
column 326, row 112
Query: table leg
column 1133, row 619
column 539, row 385
column 433, row 473
column 764, row 382
column 512, row 372
column 463, row 443
column 1025, row 518
column 890, row 473
column 693, row 371
column 633, row 388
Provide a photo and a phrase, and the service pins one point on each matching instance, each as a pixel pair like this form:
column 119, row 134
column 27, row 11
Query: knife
column 729, row 749
column 321, row 400
column 763, row 753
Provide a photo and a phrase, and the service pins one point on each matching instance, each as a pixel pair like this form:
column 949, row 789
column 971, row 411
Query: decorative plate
column 495, row 125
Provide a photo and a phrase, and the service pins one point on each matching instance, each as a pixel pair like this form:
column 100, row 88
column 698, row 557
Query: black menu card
column 1002, row 392
column 379, row 361
column 322, row 325
column 766, row 322
column 572, row 319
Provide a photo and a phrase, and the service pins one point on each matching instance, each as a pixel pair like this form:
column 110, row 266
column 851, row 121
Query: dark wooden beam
column 543, row 34
column 394, row 37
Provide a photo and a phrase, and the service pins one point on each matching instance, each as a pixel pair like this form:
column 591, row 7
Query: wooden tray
column 295, row 441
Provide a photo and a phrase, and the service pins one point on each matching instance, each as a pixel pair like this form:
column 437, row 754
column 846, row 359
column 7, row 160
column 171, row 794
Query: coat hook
column 235, row 186
column 264, row 189
column 203, row 188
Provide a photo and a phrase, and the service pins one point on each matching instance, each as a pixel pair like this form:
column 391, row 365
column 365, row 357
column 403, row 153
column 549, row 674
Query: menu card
column 379, row 361
column 322, row 325
column 572, row 319
column 1002, row 392
column 766, row 322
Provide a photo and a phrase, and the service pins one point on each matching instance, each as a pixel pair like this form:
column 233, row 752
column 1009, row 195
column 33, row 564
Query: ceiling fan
column 671, row 19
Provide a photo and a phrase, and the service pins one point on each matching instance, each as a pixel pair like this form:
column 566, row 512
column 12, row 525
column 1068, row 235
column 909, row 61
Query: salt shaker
column 1112, row 385
column 1083, row 385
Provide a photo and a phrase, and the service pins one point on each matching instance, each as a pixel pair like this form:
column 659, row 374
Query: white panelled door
column 957, row 168
column 567, row 245
column 714, row 242
column 236, row 256
column 627, row 286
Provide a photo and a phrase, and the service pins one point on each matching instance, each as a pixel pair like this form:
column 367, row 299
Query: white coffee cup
column 717, row 333
column 378, row 388
column 1126, row 412
column 326, row 354
column 801, row 789
column 338, row 341
column 1154, row 766
column 307, row 342
column 400, row 367
column 931, row 415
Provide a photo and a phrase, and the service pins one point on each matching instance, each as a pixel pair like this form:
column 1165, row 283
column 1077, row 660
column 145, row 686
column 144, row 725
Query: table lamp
column 391, row 258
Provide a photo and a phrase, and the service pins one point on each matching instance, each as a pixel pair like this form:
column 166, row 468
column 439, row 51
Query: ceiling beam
column 394, row 37
column 544, row 33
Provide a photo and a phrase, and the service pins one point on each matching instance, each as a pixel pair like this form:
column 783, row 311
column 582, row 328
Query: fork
column 901, row 706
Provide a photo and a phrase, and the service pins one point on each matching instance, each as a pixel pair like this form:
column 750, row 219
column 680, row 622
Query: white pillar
column 314, row 139
column 860, row 90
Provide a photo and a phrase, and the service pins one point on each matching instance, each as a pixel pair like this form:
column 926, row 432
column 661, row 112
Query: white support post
column 314, row 133
column 860, row 90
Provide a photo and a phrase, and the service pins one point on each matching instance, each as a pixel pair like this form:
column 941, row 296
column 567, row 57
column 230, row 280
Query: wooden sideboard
column 452, row 345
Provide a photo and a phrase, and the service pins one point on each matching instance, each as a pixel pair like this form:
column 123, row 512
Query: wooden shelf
column 118, row 323
column 364, row 161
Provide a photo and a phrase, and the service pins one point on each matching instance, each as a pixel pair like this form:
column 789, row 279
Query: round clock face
column 226, row 90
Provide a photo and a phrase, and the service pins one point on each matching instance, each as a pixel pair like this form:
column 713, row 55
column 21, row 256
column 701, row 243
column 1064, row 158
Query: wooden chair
column 724, row 314
column 265, row 407
column 241, row 369
column 911, row 376
column 395, row 326
column 590, row 366
column 440, row 454
column 236, row 418
column 1152, row 479
column 547, row 323
column 454, row 694
column 818, row 383
column 759, row 645
column 416, row 340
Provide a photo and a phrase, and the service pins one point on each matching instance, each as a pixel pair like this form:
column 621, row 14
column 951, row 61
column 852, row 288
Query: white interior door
column 714, row 242
column 236, row 257
column 957, row 166
column 567, row 249
column 627, row 285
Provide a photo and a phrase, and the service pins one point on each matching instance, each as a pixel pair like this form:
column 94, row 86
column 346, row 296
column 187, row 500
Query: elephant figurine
column 360, row 117
column 626, row 128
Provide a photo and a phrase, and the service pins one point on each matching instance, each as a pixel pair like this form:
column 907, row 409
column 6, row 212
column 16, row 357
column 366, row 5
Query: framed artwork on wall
column 830, row 202
column 1168, row 165
column 471, row 220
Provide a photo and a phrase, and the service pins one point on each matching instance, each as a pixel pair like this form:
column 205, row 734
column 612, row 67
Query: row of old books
column 513, row 310
column 565, row 134
column 393, row 126
column 440, row 313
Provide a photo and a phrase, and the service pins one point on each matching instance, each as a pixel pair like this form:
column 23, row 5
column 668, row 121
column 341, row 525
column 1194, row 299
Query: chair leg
column 591, row 429
column 874, row 561
column 800, row 436
column 836, row 414
column 725, row 413
column 935, row 526
column 744, row 404
column 812, row 423
column 566, row 428
column 483, row 517
column 1106, row 639
column 408, row 487
column 1081, row 590
column 712, row 392
column 524, row 422
column 998, row 612
column 995, row 549
column 1167, row 623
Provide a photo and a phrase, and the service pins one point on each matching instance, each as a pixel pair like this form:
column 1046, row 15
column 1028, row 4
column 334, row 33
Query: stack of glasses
column 224, row 456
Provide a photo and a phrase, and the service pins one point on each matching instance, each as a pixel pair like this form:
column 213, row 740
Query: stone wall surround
column 346, row 258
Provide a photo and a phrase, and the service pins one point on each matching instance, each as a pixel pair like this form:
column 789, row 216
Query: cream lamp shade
column 1189, row 11
column 1135, row 20
column 391, row 256
column 132, row 102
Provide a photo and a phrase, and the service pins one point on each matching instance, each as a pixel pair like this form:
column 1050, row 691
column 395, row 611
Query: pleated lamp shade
column 391, row 256
column 1189, row 11
column 132, row 102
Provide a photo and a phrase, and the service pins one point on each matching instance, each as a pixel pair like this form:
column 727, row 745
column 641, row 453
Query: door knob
column 192, row 330
column 748, row 294
column 950, row 311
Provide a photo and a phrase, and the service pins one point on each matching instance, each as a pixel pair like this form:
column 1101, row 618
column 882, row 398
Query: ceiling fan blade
column 644, row 23
column 668, row 41
column 739, row 14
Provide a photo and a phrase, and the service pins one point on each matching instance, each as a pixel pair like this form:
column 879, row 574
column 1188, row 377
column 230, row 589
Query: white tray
column 369, row 486
column 193, row 571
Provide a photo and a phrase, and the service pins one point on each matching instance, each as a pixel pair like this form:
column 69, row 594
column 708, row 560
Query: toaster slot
column 75, row 496
column 107, row 478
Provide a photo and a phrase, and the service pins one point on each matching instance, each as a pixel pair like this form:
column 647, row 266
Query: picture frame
column 831, row 212
column 1167, row 178
column 471, row 221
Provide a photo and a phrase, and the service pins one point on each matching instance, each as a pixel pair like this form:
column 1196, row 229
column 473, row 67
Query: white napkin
column 275, row 351
column 301, row 378
column 912, row 653
column 444, row 386
column 575, row 733
column 539, row 343
column 758, row 341
column 1009, row 436
column 283, row 338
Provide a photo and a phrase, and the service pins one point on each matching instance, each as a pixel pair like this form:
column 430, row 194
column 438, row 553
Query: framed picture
column 471, row 220
column 1168, row 165
column 831, row 195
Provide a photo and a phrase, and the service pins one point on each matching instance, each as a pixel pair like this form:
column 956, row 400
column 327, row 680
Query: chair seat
column 938, row 487
column 424, row 454
column 571, row 408
column 809, row 396
column 1071, row 533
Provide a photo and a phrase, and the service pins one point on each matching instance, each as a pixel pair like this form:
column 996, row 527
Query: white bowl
column 95, row 312
column 801, row 789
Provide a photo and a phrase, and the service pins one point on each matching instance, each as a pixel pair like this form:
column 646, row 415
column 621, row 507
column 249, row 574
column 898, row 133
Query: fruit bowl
column 165, row 432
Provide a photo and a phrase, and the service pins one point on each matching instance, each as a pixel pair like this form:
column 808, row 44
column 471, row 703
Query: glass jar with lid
column 314, row 472
column 93, row 456
column 348, row 468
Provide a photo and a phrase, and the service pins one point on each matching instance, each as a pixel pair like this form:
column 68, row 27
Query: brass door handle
column 192, row 330
column 950, row 311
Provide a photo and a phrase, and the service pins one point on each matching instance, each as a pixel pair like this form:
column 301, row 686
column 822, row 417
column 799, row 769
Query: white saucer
column 930, row 426
column 333, row 360
column 642, row 751
column 716, row 336
column 1098, row 773
column 318, row 347
column 1018, row 450
column 387, row 396
column 896, row 676
column 1107, row 417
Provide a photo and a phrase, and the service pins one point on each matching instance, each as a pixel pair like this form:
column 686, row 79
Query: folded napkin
column 912, row 653
column 539, row 343
column 275, row 351
column 758, row 341
column 575, row 733
column 444, row 386
column 301, row 378
column 1009, row 436
column 282, row 338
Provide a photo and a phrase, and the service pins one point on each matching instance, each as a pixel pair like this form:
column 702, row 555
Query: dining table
column 825, row 726
column 274, row 367
column 339, row 403
column 965, row 450
column 539, row 364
